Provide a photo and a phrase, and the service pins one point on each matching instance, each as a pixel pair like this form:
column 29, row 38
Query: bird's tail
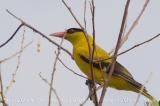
column 151, row 98
column 146, row 94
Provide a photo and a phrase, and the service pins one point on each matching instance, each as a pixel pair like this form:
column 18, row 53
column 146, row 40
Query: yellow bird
column 121, row 78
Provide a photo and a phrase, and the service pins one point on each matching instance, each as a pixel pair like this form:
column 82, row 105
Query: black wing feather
column 117, row 72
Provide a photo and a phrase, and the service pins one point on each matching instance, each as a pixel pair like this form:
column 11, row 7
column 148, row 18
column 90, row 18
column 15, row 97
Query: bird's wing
column 102, row 54
column 119, row 70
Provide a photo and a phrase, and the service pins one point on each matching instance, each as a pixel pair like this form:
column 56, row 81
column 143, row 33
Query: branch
column 90, row 94
column 10, row 57
column 53, row 71
column 1, row 92
column 84, row 19
column 37, row 31
column 135, row 46
column 18, row 63
column 13, row 35
column 94, row 97
column 115, row 54
column 15, row 54
column 71, row 69
column 134, row 24
column 54, row 91
column 73, row 15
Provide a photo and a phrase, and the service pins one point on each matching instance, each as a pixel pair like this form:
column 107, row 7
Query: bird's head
column 73, row 35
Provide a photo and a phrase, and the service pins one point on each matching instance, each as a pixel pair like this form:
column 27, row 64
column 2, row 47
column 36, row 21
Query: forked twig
column 53, row 71
column 106, row 82
column 134, row 24
column 71, row 70
column 18, row 64
column 54, row 91
column 73, row 15
column 15, row 54
column 35, row 30
column 90, row 94
column 133, row 47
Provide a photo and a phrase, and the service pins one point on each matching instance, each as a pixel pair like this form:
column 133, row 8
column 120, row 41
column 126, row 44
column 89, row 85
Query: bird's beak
column 58, row 34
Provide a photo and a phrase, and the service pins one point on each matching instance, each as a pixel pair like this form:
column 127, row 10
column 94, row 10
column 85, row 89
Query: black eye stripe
column 72, row 30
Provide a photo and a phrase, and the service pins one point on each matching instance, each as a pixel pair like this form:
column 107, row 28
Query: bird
column 121, row 78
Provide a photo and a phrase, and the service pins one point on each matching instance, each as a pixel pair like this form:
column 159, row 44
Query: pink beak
column 58, row 34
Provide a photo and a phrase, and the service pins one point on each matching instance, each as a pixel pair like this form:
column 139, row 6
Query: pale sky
column 51, row 16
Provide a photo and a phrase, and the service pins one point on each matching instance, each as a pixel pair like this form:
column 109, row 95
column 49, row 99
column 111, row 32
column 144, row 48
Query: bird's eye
column 70, row 31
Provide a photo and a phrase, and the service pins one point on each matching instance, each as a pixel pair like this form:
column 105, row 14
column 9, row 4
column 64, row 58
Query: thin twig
column 71, row 70
column 90, row 94
column 125, row 26
column 14, row 16
column 142, row 88
column 115, row 53
column 37, row 31
column 13, row 35
column 91, row 9
column 137, row 45
column 84, row 19
column 54, row 90
column 134, row 24
column 1, row 91
column 15, row 54
column 18, row 63
column 95, row 99
column 53, row 71
column 73, row 15
column 133, row 47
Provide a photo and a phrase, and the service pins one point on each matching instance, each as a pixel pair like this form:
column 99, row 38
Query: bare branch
column 94, row 97
column 14, row 16
column 134, row 24
column 140, row 44
column 15, row 54
column 11, row 36
column 1, row 92
column 90, row 94
column 18, row 64
column 53, row 71
column 84, row 19
column 115, row 53
column 40, row 33
column 54, row 91
column 135, row 46
column 73, row 15
column 71, row 69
